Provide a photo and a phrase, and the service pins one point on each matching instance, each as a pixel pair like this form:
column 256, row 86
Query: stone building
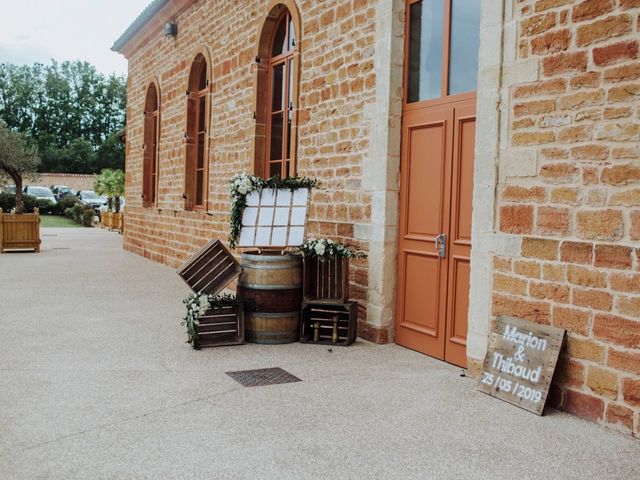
column 535, row 206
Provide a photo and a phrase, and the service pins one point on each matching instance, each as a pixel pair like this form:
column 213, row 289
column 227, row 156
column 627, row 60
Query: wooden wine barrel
column 272, row 285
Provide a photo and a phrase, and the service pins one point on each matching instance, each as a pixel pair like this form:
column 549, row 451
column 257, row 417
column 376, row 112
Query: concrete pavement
column 96, row 382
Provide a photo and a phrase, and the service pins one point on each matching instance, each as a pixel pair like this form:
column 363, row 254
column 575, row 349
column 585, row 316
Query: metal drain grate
column 262, row 377
column 61, row 248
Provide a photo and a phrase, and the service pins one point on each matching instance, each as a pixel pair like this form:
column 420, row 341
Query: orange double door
column 436, row 178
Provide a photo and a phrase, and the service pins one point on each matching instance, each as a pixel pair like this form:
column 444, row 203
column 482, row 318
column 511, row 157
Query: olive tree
column 17, row 160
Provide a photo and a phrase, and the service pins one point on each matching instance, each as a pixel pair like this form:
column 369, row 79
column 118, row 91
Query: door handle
column 441, row 245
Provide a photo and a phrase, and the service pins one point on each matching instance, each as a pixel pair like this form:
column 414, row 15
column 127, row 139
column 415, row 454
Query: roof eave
column 138, row 24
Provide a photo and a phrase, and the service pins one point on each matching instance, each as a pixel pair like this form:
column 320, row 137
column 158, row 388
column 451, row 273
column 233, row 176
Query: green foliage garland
column 243, row 184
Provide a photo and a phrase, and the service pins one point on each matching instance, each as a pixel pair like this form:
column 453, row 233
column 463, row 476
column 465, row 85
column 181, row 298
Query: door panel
column 425, row 204
column 421, row 302
column 425, row 168
column 460, row 228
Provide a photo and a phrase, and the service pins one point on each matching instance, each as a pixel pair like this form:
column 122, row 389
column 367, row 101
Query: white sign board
column 520, row 362
column 274, row 218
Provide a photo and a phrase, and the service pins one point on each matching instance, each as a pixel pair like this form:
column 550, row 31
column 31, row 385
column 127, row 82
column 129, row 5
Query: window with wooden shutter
column 150, row 157
column 275, row 151
column 196, row 158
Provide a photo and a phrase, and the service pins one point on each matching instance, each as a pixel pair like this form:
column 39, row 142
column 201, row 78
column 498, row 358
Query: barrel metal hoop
column 260, row 286
column 272, row 258
column 281, row 266
column 275, row 315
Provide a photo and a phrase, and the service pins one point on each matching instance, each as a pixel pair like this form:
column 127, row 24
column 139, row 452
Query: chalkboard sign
column 520, row 362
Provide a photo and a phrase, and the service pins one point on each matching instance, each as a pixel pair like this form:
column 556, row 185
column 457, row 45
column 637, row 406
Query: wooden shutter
column 147, row 160
column 191, row 153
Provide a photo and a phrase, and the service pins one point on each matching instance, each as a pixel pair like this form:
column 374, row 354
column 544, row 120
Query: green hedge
column 8, row 203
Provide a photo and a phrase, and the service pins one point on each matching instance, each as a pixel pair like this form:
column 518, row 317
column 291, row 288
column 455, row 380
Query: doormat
column 262, row 377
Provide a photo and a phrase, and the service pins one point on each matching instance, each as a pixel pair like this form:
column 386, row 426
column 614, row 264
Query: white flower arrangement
column 324, row 248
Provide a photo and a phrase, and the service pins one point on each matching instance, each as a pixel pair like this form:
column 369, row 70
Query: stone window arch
column 277, row 89
column 151, row 140
column 197, row 144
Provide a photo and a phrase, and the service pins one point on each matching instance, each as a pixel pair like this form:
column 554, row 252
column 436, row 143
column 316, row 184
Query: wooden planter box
column 326, row 280
column 105, row 219
column 329, row 323
column 117, row 221
column 20, row 232
column 221, row 326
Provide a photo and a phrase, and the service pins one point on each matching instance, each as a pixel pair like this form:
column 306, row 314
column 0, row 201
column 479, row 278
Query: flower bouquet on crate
column 325, row 248
column 326, row 270
column 242, row 184
column 213, row 320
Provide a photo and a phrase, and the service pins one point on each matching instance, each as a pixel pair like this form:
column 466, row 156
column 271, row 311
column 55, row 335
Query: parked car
column 40, row 193
column 61, row 191
column 9, row 189
column 92, row 198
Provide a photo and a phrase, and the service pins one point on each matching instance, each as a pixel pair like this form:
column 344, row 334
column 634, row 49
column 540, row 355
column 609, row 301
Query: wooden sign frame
column 520, row 362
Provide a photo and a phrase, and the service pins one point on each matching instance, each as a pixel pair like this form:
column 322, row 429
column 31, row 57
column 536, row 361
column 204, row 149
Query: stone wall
column 344, row 98
column 567, row 215
column 71, row 180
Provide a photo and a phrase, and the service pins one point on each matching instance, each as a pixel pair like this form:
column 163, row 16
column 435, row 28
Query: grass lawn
column 57, row 221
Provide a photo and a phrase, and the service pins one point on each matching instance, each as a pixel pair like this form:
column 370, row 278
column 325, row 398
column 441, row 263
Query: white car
column 105, row 207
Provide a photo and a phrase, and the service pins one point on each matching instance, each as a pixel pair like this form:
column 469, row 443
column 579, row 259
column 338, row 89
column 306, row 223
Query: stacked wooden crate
column 328, row 317
column 210, row 270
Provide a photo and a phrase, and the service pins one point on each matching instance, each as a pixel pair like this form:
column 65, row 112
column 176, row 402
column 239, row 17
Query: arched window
column 197, row 127
column 276, row 96
column 151, row 135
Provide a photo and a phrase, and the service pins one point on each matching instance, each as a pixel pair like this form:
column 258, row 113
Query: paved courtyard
column 96, row 382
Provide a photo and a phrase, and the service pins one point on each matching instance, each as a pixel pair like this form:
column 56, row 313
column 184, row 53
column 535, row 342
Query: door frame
column 407, row 108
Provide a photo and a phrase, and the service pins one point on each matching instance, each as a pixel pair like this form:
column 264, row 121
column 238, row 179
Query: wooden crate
column 221, row 326
column 210, row 269
column 326, row 281
column 329, row 323
column 20, row 232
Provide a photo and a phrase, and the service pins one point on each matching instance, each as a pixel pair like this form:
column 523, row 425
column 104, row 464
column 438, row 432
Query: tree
column 110, row 183
column 110, row 154
column 17, row 159
column 62, row 108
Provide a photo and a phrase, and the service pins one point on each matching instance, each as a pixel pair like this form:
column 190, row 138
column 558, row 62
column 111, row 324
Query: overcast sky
column 39, row 30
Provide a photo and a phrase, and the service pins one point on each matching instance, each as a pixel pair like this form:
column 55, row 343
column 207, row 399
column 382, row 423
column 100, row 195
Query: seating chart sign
column 520, row 362
column 274, row 218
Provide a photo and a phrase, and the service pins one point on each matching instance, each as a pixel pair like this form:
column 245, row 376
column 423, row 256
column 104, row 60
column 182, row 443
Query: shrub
column 81, row 213
column 76, row 214
column 7, row 201
column 44, row 206
column 66, row 202
column 87, row 216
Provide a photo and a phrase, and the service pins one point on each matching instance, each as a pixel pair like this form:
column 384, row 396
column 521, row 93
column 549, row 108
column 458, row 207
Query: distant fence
column 72, row 180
